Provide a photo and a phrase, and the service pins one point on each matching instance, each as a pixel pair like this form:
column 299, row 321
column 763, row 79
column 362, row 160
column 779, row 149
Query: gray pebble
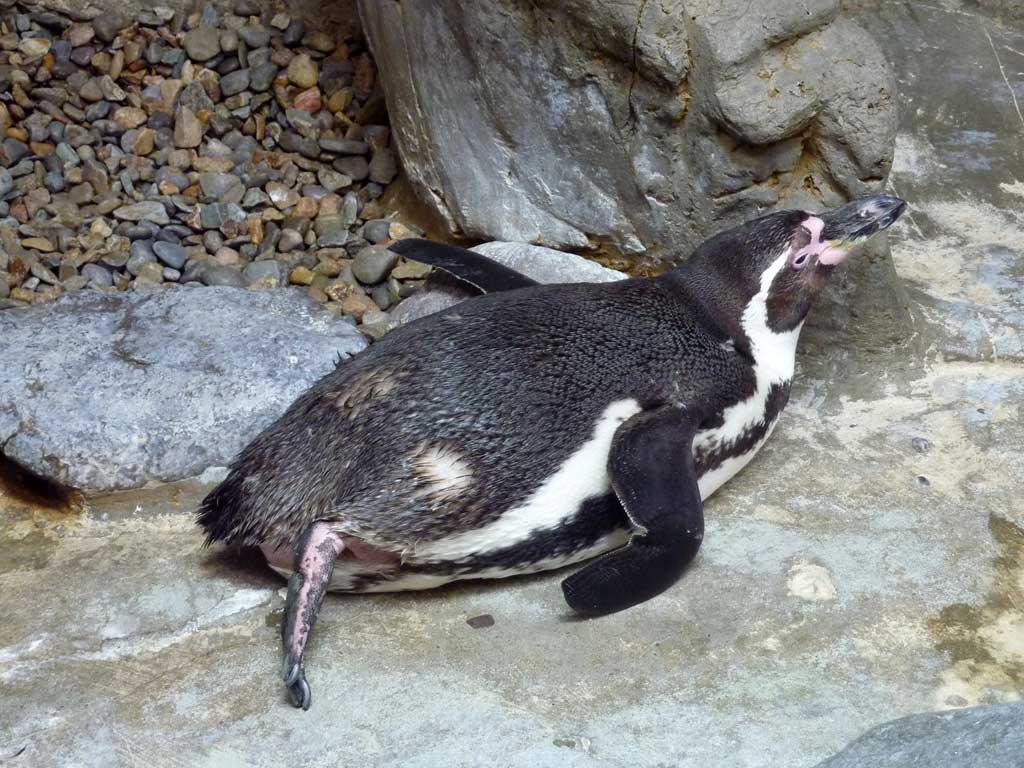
column 306, row 147
column 24, row 168
column 228, row 40
column 109, row 23
column 44, row 273
column 97, row 275
column 145, row 230
column 194, row 97
column 202, row 43
column 350, row 209
column 376, row 230
column 372, row 190
column 254, row 35
column 80, row 194
column 328, row 224
column 236, row 82
column 266, row 270
column 125, row 177
column 115, row 259
column 141, row 255
column 373, row 263
column 254, row 197
column 82, row 55
column 209, row 16
column 333, row 239
column 344, row 146
column 14, row 150
column 332, row 180
column 216, row 186
column 212, row 240
column 354, row 166
column 215, row 215
column 247, row 8
column 303, row 122
column 217, row 274
column 261, row 76
column 383, row 166
column 67, row 154
column 145, row 211
column 294, row 32
column 290, row 240
column 54, row 181
column 382, row 296
column 171, row 254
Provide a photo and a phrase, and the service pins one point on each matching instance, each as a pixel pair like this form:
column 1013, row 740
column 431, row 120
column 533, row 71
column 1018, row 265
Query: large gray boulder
column 644, row 126
column 107, row 391
column 980, row 737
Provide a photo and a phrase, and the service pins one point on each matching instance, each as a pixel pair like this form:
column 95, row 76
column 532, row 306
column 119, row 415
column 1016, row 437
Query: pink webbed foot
column 315, row 554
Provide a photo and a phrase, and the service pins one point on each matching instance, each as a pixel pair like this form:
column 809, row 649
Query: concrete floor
column 852, row 574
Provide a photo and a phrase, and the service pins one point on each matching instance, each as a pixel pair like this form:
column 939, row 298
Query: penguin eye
column 800, row 246
column 800, row 261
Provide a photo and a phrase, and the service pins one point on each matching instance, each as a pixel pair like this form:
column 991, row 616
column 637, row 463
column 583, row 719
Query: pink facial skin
column 827, row 254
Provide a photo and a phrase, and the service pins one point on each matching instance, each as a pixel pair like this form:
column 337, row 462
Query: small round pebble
column 372, row 264
column 171, row 254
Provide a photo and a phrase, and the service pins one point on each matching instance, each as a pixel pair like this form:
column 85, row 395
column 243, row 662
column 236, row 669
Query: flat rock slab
column 545, row 265
column 980, row 737
column 105, row 391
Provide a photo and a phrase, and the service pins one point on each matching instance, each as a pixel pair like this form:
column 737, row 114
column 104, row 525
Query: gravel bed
column 240, row 149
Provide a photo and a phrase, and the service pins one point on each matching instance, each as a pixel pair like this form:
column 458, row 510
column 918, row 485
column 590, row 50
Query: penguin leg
column 315, row 554
column 653, row 474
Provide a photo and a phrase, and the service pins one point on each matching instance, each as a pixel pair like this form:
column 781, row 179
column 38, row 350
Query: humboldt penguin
column 536, row 426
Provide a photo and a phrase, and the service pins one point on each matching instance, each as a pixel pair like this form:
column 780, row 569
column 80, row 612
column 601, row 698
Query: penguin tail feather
column 225, row 517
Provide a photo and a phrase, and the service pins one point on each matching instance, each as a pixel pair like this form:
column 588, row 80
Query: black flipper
column 475, row 269
column 652, row 472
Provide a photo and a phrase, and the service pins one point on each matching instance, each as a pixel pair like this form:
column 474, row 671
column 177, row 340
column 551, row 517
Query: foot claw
column 300, row 694
column 291, row 669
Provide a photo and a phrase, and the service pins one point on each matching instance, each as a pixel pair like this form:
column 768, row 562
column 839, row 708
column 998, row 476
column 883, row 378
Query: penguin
column 536, row 427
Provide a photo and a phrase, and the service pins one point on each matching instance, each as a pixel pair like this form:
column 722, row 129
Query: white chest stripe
column 583, row 475
column 774, row 360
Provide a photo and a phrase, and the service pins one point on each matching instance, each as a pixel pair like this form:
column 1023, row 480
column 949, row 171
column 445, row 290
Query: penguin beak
column 859, row 220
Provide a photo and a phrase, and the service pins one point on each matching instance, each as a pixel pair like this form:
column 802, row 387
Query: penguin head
column 768, row 272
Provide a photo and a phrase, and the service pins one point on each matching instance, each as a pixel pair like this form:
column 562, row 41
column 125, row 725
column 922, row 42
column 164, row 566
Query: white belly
column 582, row 476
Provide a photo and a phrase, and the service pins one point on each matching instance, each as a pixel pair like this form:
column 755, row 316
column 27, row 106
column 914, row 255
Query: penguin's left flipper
column 470, row 267
column 653, row 474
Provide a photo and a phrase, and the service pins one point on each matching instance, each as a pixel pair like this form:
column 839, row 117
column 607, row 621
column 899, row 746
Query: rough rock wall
column 644, row 125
